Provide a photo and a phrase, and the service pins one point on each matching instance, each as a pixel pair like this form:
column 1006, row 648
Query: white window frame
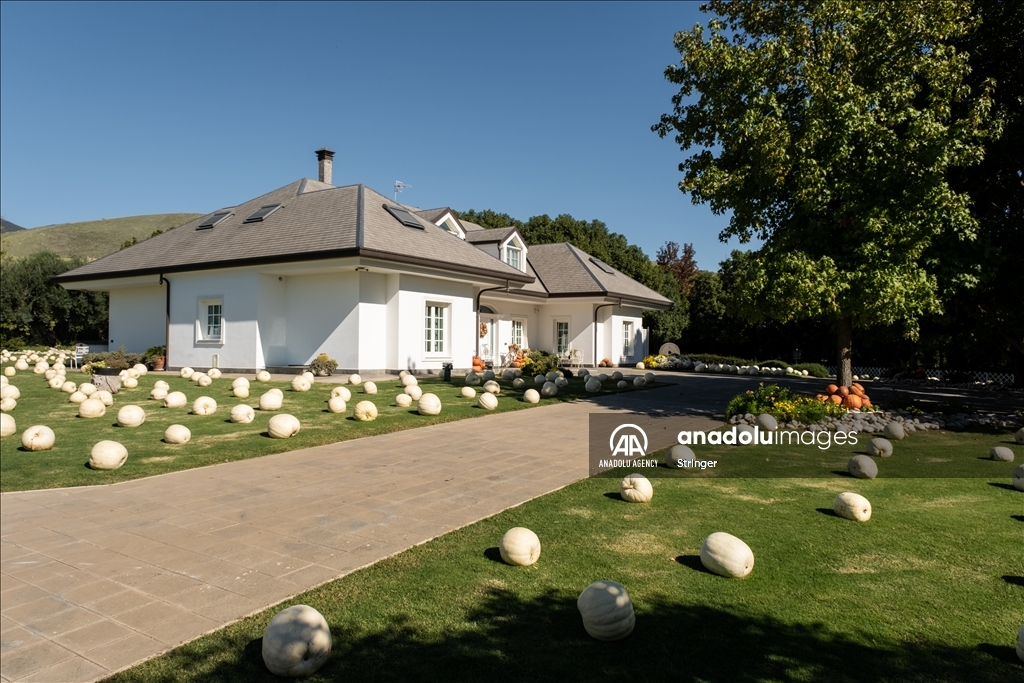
column 519, row 339
column 628, row 338
column 568, row 335
column 203, row 335
column 511, row 251
column 431, row 342
column 514, row 242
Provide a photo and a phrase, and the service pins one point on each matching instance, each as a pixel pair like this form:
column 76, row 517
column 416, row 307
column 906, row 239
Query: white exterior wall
column 373, row 322
column 138, row 318
column 460, row 341
column 238, row 293
column 618, row 318
column 580, row 318
column 322, row 315
column 272, row 322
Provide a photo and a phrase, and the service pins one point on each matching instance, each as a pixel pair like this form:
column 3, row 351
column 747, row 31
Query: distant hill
column 7, row 226
column 90, row 239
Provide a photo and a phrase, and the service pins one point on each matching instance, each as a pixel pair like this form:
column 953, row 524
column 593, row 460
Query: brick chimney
column 325, row 157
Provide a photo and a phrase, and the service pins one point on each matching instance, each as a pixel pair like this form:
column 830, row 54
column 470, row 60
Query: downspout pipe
column 167, row 321
column 596, row 309
column 476, row 309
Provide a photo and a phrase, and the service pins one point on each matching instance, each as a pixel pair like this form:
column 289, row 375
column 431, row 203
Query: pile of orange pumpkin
column 478, row 364
column 849, row 397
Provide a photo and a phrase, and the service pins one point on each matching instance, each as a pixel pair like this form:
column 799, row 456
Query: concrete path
column 96, row 579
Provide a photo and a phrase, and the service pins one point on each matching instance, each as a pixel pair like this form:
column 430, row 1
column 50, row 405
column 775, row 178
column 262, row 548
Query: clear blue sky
column 111, row 110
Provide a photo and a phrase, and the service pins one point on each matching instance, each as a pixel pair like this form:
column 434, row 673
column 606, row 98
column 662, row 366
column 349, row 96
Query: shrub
column 783, row 404
column 323, row 365
column 536, row 362
column 813, row 369
column 708, row 358
column 114, row 359
column 772, row 364
column 154, row 352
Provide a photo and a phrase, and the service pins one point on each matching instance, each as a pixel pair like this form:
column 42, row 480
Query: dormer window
column 514, row 257
column 449, row 223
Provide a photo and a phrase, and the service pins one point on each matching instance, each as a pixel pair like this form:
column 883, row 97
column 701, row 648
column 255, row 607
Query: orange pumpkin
column 858, row 387
column 844, row 391
column 866, row 402
column 852, row 401
column 836, row 398
column 821, row 397
column 831, row 389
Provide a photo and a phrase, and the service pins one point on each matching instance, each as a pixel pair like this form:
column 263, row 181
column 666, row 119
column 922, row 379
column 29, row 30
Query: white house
column 312, row 268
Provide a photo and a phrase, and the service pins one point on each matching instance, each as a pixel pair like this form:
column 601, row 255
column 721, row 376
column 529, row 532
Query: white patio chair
column 575, row 358
column 75, row 361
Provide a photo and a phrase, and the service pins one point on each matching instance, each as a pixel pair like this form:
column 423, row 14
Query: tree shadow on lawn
column 507, row 638
column 1000, row 485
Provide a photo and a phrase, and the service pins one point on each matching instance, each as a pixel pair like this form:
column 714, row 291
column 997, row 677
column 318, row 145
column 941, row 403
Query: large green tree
column 828, row 129
column 34, row 310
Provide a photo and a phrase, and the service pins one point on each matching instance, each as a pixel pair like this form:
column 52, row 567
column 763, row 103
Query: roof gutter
column 167, row 321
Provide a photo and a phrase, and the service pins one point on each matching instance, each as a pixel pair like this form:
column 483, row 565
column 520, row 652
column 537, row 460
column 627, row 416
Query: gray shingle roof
column 566, row 270
column 315, row 221
column 486, row 235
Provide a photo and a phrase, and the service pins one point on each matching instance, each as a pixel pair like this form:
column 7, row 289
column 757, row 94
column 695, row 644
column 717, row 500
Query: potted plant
column 323, row 365
column 155, row 357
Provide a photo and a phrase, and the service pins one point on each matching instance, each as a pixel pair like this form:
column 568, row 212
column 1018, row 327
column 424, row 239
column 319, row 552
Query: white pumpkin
column 262, row 376
column 488, row 375
column 408, row 380
column 468, row 392
column 429, row 404
column 1018, row 477
column 91, row 407
column 87, row 388
column 639, row 382
column 549, row 389
column 336, row 404
column 649, row 377
column 355, row 379
column 283, row 426
column 852, row 506
column 366, row 411
column 38, row 438
column 636, row 488
column 132, row 373
column 1020, row 643
column 767, row 422
column 616, row 376
column 403, row 374
column 204, row 405
column 519, row 546
column 77, row 397
column 862, row 467
column 309, row 375
column 107, row 455
column 540, row 379
column 157, row 394
column 241, row 391
column 177, row 434
column 131, row 416
column 552, row 376
column 603, row 377
column 894, row 431
column 130, row 383
column 1001, row 453
column 880, row 447
column 639, row 366
column 296, row 642
column 621, row 384
column 1019, row 436
column 415, row 393
column 55, row 382
column 343, row 392
column 473, row 379
column 726, row 555
column 140, row 368
column 8, row 425
column 214, row 373
column 300, row 383
column 531, row 396
column 677, row 456
column 240, row 382
column 69, row 387
column 175, row 399
column 593, row 385
column 105, row 396
column 10, row 391
column 160, row 384
column 508, row 374
column 271, row 400
column 561, row 382
column 9, row 371
column 7, row 404
column 487, row 401
column 186, row 372
column 40, row 368
column 492, row 387
column 403, row 400
column 242, row 414
column 607, row 611
column 518, row 383
column 369, row 387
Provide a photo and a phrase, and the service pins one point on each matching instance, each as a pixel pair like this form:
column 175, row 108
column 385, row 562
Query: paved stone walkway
column 96, row 579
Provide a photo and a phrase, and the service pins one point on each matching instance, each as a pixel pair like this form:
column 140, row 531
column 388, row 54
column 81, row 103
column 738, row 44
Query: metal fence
column 998, row 377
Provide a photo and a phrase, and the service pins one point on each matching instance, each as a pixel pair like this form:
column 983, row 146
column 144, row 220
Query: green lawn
column 214, row 438
column 930, row 589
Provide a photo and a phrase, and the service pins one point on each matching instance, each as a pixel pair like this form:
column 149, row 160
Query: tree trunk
column 844, row 352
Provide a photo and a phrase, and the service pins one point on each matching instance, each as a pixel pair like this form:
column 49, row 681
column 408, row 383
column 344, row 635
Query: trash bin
column 446, row 372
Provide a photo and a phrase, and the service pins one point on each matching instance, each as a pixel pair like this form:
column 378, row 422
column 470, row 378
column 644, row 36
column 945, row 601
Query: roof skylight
column 263, row 212
column 404, row 217
column 602, row 265
column 213, row 220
